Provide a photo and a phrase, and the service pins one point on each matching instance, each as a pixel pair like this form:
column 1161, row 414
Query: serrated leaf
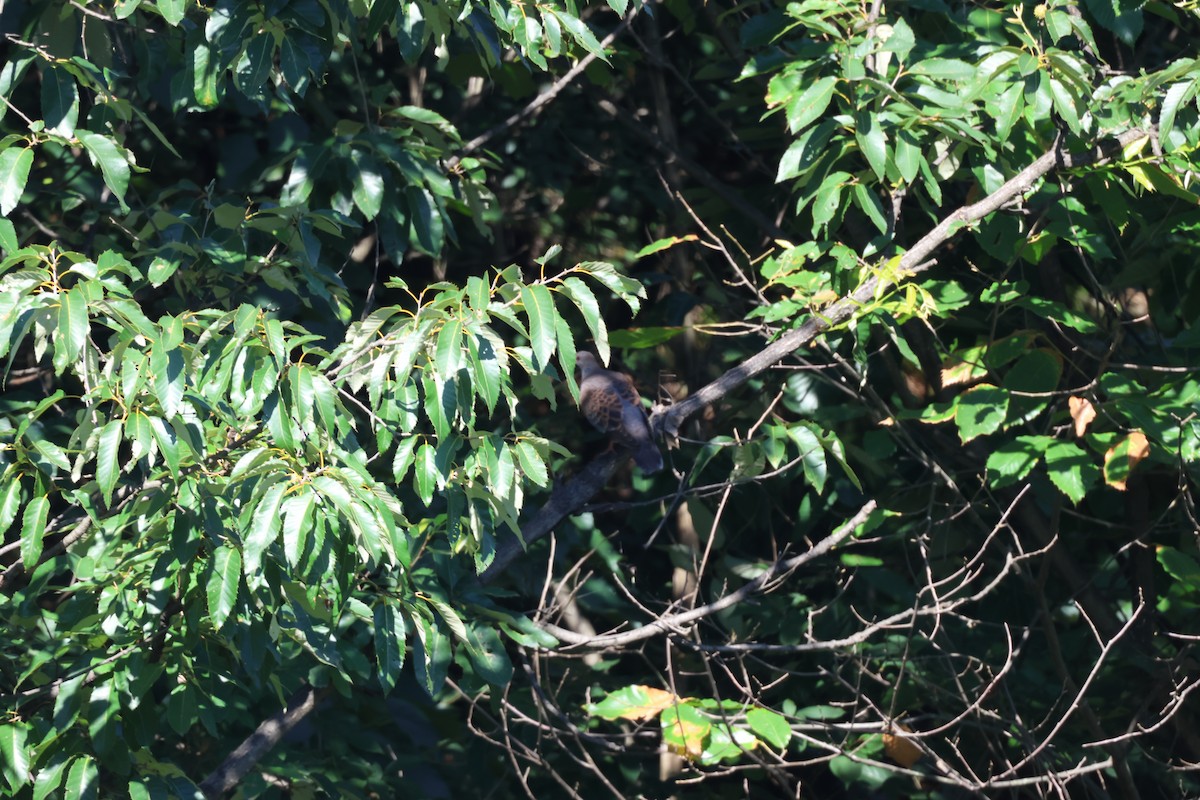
column 72, row 331
column 389, row 644
column 107, row 468
column 264, row 528
column 297, row 522
column 539, row 307
column 1013, row 461
column 222, row 588
column 583, row 297
column 980, row 411
column 426, row 476
column 1071, row 469
column 431, row 655
column 448, row 350
column 531, row 463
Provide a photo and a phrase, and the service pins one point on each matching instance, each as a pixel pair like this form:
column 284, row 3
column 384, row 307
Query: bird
column 611, row 403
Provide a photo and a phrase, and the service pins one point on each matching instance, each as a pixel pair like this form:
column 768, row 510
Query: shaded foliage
column 290, row 304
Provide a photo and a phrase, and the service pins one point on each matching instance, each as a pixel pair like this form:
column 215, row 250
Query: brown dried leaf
column 1082, row 412
column 899, row 748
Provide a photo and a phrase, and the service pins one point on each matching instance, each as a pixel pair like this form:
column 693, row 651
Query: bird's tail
column 647, row 457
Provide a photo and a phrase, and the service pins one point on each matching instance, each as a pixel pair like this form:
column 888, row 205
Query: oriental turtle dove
column 610, row 402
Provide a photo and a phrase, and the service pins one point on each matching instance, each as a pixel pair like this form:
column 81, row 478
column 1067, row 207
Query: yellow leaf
column 657, row 700
column 1122, row 457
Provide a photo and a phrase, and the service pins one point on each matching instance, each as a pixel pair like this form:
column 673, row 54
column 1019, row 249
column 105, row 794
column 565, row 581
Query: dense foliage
column 290, row 302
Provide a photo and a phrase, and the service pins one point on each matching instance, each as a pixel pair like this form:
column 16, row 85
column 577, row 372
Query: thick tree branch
column 258, row 744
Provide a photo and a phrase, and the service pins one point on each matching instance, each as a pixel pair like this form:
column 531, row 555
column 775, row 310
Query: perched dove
column 610, row 402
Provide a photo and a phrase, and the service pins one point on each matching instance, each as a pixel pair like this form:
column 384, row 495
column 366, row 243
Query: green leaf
column 172, row 10
column 431, row 655
column 487, row 371
column 60, row 101
column 83, row 780
column 254, row 67
column 223, row 583
column 664, row 244
column 1064, row 104
column 297, row 523
column 123, row 9
column 107, row 468
column 771, row 727
column 980, row 411
column 111, row 159
column 1181, row 566
column 389, row 644
column 8, row 239
column 10, row 500
column 871, row 205
column 581, row 294
column 50, row 777
column 426, row 220
column 72, row 331
column 872, row 142
column 531, row 463
column 367, row 178
column 1071, row 469
column 14, row 758
column 828, row 199
column 426, row 477
column 264, row 528
column 1012, row 461
column 807, row 107
column 945, row 68
column 580, row 33
column 14, row 172
column 404, row 457
column 1172, row 99
column 486, row 653
column 448, row 351
column 33, row 529
column 539, row 306
column 15, row 65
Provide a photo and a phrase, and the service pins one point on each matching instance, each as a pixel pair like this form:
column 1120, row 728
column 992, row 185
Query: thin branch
column 913, row 262
column 674, row 622
column 546, row 96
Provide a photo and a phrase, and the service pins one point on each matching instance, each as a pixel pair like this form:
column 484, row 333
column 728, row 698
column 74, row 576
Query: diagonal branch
column 572, row 495
column 754, row 587
column 912, row 263
column 258, row 744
